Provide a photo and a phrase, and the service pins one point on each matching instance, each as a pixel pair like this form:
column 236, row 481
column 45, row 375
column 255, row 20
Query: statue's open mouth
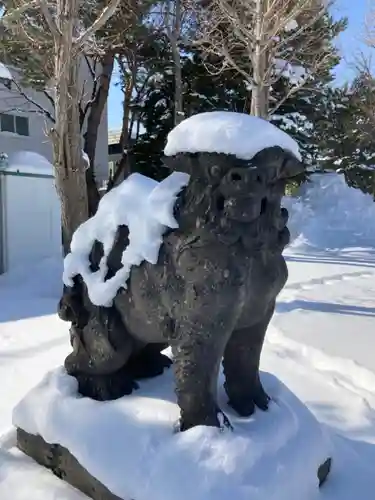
column 247, row 194
column 250, row 208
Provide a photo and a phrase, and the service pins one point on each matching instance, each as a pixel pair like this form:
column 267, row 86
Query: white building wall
column 13, row 103
column 101, row 163
column 30, row 228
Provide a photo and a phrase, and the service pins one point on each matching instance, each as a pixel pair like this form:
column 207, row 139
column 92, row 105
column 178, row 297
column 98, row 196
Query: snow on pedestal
column 130, row 447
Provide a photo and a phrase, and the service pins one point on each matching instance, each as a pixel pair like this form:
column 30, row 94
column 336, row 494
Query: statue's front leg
column 197, row 357
column 196, row 371
column 241, row 367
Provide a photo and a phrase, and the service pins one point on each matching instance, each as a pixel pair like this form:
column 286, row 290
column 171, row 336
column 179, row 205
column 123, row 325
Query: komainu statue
column 209, row 295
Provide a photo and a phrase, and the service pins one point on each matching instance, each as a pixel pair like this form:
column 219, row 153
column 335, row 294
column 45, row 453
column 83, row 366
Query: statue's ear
column 291, row 166
column 272, row 157
column 182, row 162
column 277, row 163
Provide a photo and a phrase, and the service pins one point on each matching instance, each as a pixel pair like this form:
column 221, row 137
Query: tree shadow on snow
column 366, row 258
column 33, row 350
column 325, row 307
column 31, row 291
column 18, row 308
column 16, row 468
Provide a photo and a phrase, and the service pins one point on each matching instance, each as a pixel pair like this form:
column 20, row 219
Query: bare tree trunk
column 123, row 166
column 63, row 22
column 66, row 136
column 97, row 107
column 178, row 97
column 93, row 124
column 259, row 101
column 259, row 96
column 264, row 41
column 173, row 28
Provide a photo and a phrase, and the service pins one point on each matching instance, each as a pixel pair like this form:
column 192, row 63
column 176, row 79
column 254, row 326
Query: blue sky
column 350, row 43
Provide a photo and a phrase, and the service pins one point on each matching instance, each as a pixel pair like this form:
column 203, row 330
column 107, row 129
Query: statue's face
column 251, row 195
column 248, row 192
column 236, row 198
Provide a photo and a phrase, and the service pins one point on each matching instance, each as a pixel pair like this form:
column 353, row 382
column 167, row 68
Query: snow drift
column 328, row 214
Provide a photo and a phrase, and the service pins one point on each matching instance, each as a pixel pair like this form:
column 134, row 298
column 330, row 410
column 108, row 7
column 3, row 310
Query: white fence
column 30, row 227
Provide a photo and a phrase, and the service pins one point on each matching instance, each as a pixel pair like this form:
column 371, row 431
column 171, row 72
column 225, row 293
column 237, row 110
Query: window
column 16, row 124
column 22, row 125
column 7, row 123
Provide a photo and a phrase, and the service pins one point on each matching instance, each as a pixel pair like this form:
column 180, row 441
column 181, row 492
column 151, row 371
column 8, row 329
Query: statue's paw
column 261, row 398
column 148, row 365
column 214, row 419
column 106, row 387
column 245, row 405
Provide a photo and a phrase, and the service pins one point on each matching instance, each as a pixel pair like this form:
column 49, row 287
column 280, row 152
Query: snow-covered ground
column 319, row 344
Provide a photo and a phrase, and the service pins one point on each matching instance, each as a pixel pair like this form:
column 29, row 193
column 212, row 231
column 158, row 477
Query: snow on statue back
column 145, row 206
column 229, row 133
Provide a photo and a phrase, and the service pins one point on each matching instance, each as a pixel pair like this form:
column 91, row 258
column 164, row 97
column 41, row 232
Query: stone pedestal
column 127, row 450
column 62, row 463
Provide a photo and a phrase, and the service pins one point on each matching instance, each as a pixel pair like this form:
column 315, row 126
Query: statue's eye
column 215, row 171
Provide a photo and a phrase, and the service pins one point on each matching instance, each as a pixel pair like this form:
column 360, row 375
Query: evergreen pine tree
column 348, row 143
column 300, row 114
column 202, row 92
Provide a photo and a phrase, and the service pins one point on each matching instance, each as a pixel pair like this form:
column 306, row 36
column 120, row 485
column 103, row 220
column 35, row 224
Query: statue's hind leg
column 241, row 367
column 101, row 350
column 148, row 361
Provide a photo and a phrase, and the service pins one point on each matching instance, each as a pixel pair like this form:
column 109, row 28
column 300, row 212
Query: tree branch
column 50, row 98
column 34, row 103
column 105, row 15
column 15, row 14
column 49, row 19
